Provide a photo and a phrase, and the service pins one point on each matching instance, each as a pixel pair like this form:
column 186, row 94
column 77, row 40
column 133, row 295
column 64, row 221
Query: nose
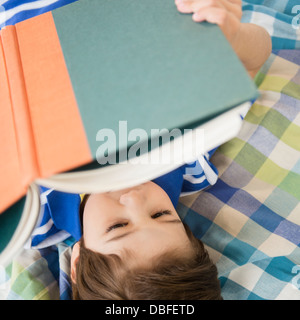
column 133, row 199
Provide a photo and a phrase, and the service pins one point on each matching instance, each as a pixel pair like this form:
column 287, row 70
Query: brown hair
column 81, row 208
column 106, row 277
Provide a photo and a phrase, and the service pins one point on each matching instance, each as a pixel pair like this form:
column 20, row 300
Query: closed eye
column 154, row 216
column 115, row 226
column 160, row 213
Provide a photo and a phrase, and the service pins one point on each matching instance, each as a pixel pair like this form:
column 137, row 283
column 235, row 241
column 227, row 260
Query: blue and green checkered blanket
column 250, row 219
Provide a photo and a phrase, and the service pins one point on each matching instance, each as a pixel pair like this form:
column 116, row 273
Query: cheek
column 93, row 229
column 90, row 222
column 164, row 200
column 159, row 194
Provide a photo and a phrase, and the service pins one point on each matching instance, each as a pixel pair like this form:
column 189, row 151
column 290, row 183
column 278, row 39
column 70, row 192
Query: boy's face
column 140, row 219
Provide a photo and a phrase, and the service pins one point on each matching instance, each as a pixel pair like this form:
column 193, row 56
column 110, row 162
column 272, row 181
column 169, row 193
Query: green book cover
column 143, row 62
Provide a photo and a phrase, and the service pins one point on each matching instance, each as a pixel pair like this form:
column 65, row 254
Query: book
column 93, row 65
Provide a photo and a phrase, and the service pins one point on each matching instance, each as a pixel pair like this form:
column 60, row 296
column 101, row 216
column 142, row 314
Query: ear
column 74, row 260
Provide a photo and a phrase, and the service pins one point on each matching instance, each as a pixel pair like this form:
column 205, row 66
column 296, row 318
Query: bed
column 249, row 220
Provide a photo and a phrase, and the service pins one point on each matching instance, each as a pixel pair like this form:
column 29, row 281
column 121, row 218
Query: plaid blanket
column 39, row 274
column 250, row 220
column 280, row 18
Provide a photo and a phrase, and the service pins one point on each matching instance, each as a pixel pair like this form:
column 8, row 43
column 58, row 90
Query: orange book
column 38, row 109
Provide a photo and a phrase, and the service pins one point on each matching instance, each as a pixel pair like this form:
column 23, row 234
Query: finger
column 200, row 5
column 184, row 6
column 190, row 6
column 212, row 15
column 228, row 23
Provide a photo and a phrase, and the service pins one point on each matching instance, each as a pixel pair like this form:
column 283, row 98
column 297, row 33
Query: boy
column 134, row 230
column 134, row 245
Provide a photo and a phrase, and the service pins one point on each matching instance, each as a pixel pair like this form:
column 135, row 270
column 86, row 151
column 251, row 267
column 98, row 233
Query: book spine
column 19, row 104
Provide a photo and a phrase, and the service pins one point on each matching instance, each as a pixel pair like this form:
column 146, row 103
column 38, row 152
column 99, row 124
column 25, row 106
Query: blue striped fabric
column 14, row 11
column 199, row 175
column 55, row 225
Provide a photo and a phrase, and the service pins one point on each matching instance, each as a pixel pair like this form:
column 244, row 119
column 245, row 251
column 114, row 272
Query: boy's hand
column 225, row 13
column 251, row 43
